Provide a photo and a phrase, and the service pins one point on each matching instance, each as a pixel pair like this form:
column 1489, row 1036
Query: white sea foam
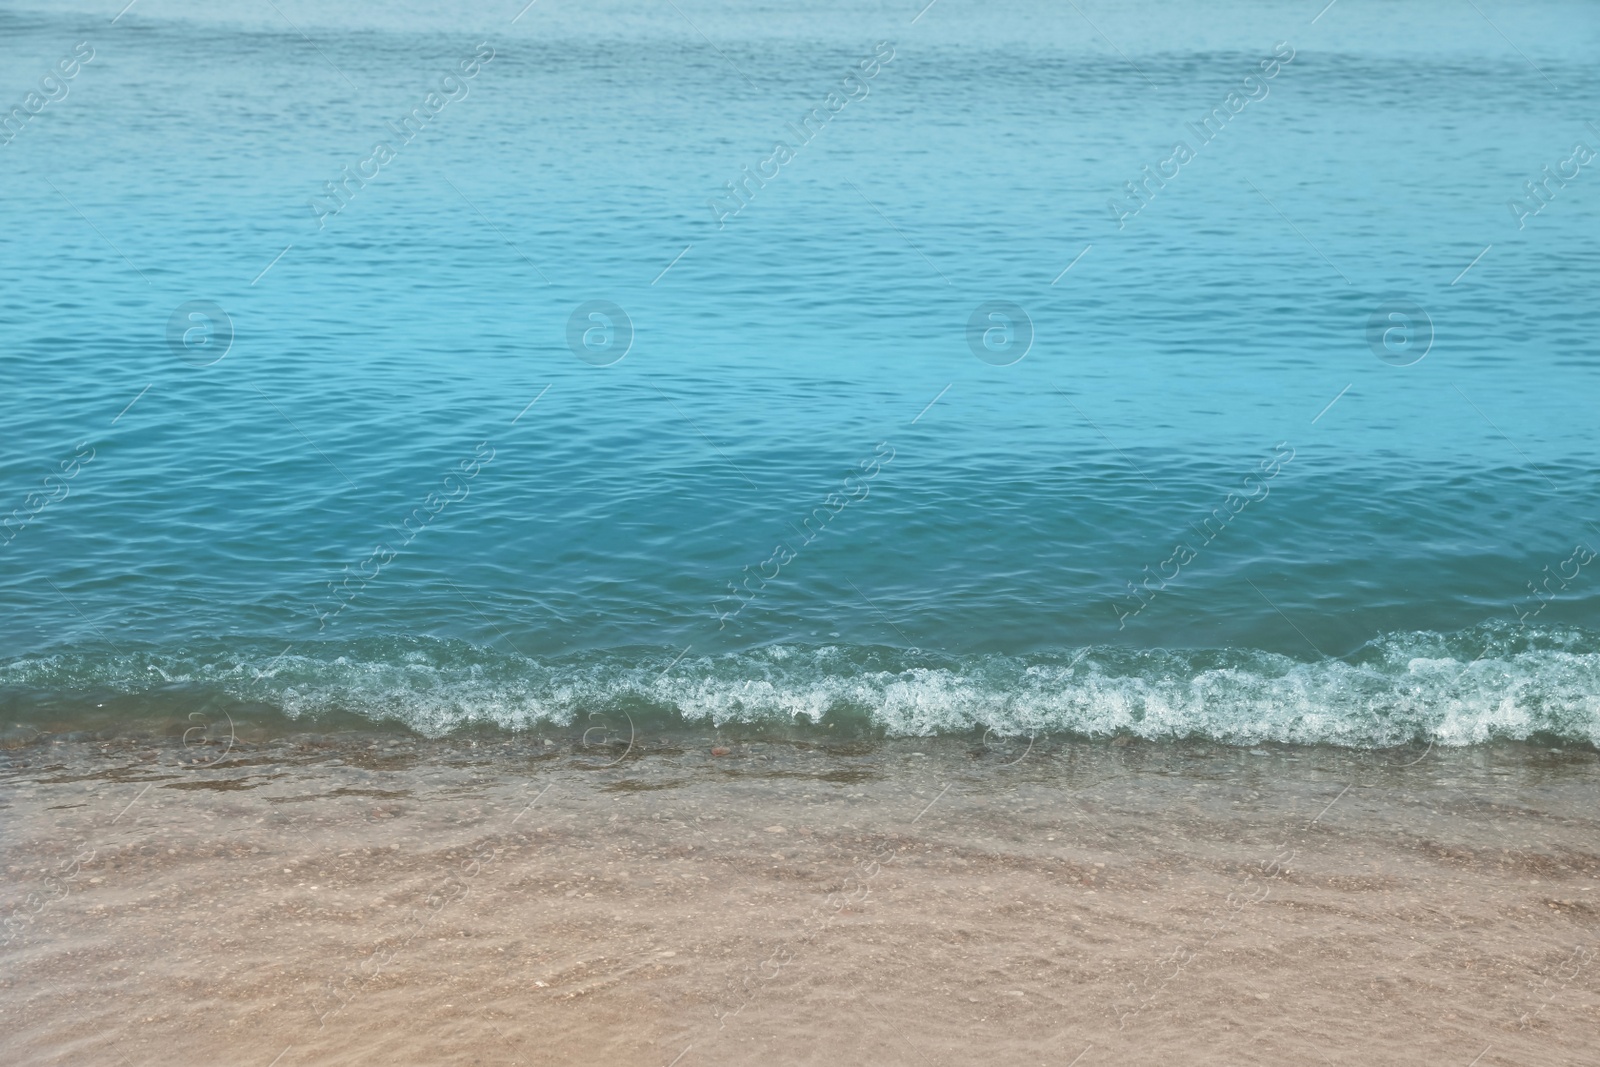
column 1399, row 688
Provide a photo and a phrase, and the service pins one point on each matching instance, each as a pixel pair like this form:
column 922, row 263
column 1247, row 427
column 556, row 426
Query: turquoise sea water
column 310, row 326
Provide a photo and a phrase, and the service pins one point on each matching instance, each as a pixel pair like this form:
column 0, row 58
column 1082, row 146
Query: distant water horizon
column 1226, row 374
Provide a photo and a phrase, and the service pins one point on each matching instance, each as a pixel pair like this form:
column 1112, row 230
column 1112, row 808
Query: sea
column 1005, row 369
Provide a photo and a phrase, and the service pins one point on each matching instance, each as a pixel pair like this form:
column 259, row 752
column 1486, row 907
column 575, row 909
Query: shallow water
column 372, row 897
column 806, row 489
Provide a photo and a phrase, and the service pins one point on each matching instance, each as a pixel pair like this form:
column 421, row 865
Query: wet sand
column 384, row 899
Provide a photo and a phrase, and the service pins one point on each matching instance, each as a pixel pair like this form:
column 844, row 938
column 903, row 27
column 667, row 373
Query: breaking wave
column 1490, row 683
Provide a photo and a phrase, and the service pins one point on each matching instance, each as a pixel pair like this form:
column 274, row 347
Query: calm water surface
column 273, row 443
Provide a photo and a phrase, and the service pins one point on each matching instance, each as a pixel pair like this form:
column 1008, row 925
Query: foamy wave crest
column 1486, row 684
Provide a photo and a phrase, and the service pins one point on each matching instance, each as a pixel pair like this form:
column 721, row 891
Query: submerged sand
column 382, row 899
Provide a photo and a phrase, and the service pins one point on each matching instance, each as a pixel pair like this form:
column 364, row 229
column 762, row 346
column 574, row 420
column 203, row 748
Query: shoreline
column 213, row 737
column 1483, row 685
column 379, row 898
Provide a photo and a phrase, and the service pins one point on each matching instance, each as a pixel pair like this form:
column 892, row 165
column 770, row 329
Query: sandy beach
column 379, row 898
column 912, row 534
